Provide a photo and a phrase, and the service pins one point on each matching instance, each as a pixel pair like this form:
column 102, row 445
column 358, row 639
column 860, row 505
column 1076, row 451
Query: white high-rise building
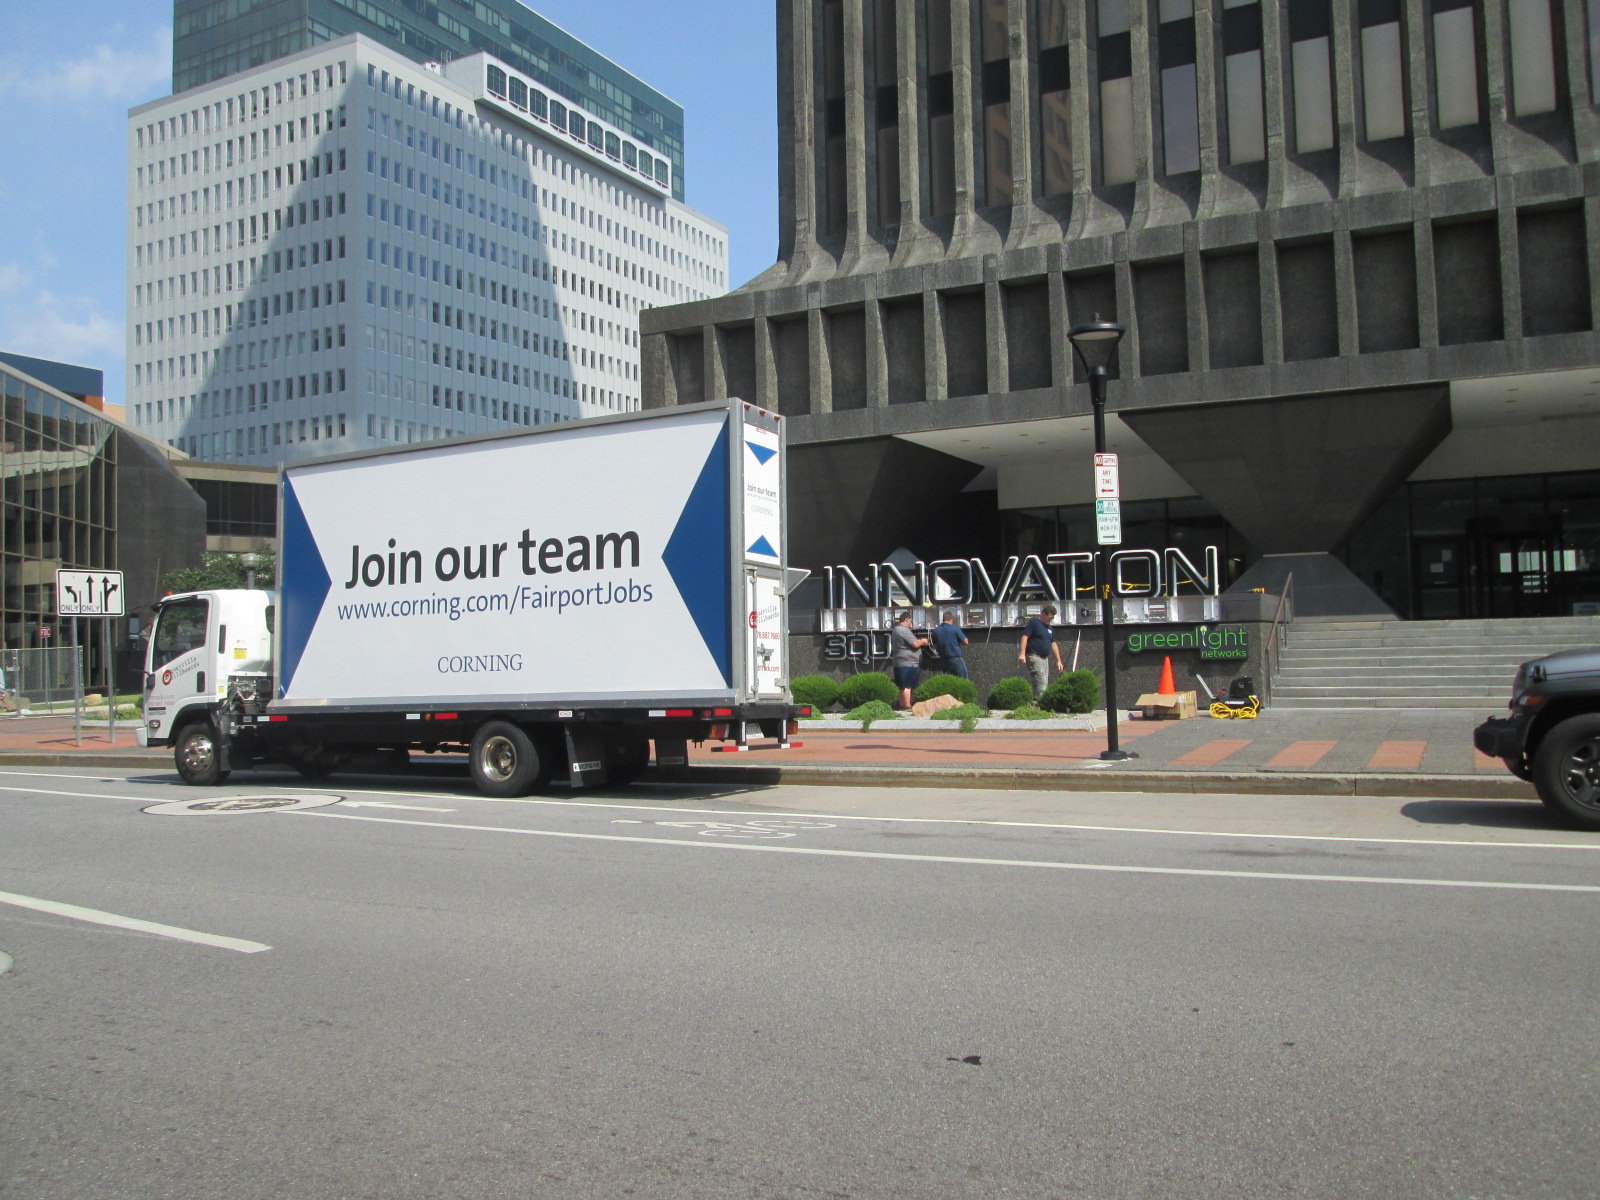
column 344, row 249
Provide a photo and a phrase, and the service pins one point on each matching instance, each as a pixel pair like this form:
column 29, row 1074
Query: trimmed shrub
column 820, row 692
column 1014, row 692
column 967, row 714
column 872, row 710
column 947, row 685
column 1074, row 692
column 1029, row 712
column 869, row 685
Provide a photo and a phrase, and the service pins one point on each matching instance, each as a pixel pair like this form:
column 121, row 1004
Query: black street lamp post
column 1095, row 343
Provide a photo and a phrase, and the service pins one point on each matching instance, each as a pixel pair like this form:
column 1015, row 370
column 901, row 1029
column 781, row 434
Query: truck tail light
column 794, row 726
column 719, row 733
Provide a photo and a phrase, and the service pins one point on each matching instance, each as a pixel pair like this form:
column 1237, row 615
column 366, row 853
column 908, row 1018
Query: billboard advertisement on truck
column 592, row 562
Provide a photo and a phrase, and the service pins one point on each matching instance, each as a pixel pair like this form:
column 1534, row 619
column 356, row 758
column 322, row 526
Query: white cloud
column 120, row 74
column 67, row 329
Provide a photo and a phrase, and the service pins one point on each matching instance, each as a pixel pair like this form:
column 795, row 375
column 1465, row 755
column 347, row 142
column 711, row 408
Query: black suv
column 1552, row 736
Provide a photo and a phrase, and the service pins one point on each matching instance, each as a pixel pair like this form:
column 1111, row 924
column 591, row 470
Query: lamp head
column 1095, row 342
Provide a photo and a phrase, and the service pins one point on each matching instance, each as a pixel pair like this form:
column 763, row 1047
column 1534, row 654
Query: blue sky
column 70, row 70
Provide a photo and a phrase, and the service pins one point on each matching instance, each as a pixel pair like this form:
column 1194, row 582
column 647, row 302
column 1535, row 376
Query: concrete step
column 1381, row 689
column 1466, row 704
column 1388, row 638
column 1475, row 625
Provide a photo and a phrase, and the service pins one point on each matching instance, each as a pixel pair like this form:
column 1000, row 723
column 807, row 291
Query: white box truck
column 549, row 601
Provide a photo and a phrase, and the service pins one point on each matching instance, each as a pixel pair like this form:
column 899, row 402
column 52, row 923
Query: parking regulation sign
column 89, row 594
column 1108, row 522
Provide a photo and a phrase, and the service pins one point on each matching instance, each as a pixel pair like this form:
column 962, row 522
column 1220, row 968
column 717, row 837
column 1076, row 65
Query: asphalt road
column 788, row 993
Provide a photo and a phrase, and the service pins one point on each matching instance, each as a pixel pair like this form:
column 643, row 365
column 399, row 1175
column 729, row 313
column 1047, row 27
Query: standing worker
column 947, row 640
column 906, row 656
column 1038, row 644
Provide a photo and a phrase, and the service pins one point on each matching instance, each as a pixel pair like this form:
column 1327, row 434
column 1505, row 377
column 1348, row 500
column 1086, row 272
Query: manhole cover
column 239, row 804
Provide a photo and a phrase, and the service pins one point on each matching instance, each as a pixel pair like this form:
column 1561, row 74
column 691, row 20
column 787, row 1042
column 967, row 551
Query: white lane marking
column 724, row 812
column 747, row 829
column 95, row 916
column 382, row 804
column 1109, row 868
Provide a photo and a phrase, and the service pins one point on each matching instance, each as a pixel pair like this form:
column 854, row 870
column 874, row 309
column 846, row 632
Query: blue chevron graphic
column 699, row 557
column 763, row 546
column 763, row 453
column 303, row 584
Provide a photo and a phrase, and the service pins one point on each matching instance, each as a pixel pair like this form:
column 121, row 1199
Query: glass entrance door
column 1442, row 574
column 1515, row 576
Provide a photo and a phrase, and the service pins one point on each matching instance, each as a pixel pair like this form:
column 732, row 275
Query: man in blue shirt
column 947, row 641
column 1038, row 644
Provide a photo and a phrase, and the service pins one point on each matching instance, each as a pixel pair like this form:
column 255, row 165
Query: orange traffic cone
column 1167, row 687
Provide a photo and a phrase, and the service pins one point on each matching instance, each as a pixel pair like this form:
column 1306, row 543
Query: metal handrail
column 1274, row 648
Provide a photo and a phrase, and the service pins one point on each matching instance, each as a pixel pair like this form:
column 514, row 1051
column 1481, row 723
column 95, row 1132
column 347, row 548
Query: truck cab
column 209, row 652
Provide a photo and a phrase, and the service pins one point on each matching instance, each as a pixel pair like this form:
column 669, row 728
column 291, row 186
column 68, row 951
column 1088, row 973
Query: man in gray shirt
column 906, row 656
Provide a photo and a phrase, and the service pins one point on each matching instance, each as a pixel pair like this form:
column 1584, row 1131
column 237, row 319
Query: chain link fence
column 47, row 677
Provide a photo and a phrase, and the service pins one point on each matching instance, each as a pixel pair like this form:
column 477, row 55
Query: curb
column 1078, row 779
column 83, row 758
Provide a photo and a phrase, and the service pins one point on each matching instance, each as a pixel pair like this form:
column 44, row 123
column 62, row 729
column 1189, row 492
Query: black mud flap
column 586, row 757
column 672, row 752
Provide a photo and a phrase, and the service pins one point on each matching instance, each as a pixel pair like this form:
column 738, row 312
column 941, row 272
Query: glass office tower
column 216, row 38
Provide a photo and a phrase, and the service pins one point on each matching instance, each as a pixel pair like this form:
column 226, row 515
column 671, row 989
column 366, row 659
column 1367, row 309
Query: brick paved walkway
column 1344, row 741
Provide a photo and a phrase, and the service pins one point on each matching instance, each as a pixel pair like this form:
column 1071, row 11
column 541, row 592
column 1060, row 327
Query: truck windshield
column 180, row 628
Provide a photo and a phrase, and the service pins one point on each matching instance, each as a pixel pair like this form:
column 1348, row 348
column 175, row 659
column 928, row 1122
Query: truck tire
column 506, row 761
column 626, row 759
column 1566, row 770
column 198, row 762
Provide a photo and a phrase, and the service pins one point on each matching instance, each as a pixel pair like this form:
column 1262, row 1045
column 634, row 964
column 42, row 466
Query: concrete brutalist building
column 1353, row 243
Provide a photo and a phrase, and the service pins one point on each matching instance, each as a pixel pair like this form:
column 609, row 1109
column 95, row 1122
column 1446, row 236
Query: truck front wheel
column 1566, row 770
column 506, row 761
column 199, row 762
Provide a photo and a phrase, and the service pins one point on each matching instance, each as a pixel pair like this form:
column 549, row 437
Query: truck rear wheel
column 1566, row 770
column 197, row 756
column 507, row 761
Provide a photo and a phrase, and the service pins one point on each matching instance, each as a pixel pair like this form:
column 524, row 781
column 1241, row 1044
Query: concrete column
column 1497, row 77
column 1078, row 58
column 913, row 241
column 1427, row 291
column 966, row 121
column 877, row 355
column 1344, row 283
column 1024, row 213
column 766, row 367
column 1060, row 349
column 1127, row 314
column 1342, row 44
column 859, row 144
column 1591, row 225
column 715, row 376
column 821, row 371
column 655, row 371
column 1419, row 88
column 938, row 377
column 994, row 338
column 1510, row 266
column 1274, row 90
column 1208, row 92
column 1271, row 316
column 1194, row 300
column 1144, row 155
column 797, row 133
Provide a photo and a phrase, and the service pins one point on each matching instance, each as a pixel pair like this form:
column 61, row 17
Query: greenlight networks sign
column 1212, row 643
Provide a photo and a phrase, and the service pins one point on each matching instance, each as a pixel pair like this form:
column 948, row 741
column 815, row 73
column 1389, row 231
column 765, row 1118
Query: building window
column 1309, row 53
column 1241, row 69
column 886, row 101
column 1533, row 59
column 1455, row 63
column 1382, row 71
column 1114, row 60
column 996, row 84
column 834, row 196
column 1180, row 101
column 1055, row 99
column 941, row 111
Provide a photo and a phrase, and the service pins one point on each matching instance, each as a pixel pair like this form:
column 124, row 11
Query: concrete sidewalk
column 1408, row 752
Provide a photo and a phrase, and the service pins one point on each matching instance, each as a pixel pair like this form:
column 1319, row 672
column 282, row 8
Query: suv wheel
column 1566, row 770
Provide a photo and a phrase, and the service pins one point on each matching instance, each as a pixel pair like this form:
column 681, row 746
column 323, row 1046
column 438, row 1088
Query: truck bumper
column 1500, row 737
